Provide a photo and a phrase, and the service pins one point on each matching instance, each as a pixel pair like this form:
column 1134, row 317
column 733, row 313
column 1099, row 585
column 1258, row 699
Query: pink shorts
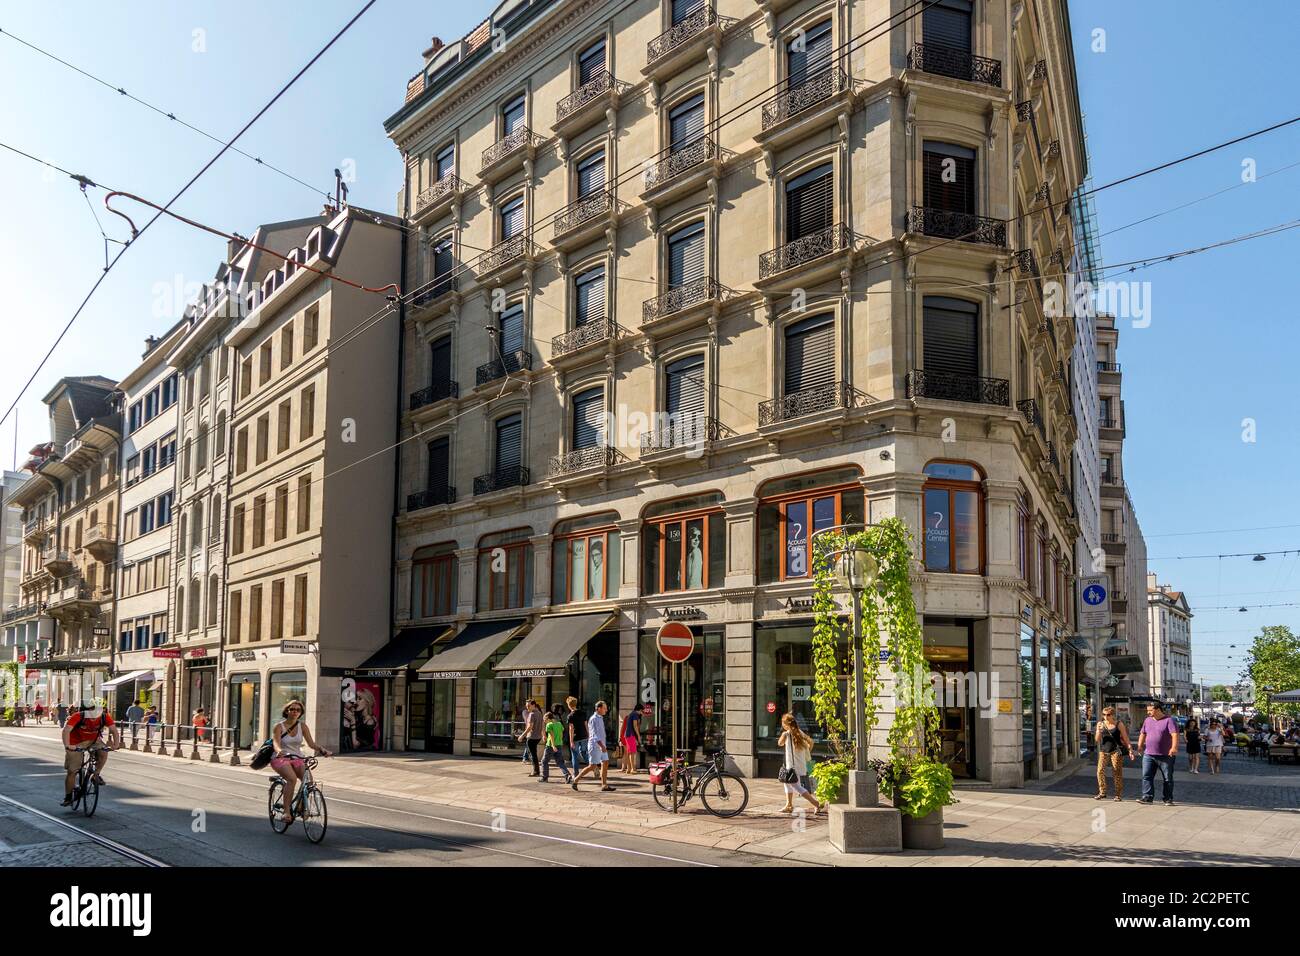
column 279, row 763
column 630, row 744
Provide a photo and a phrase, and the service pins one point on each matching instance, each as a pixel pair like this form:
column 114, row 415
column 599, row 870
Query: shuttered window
column 441, row 354
column 686, row 397
column 589, row 297
column 512, row 115
column 591, row 174
column 809, row 354
column 686, row 255
column 810, row 203
column 686, row 122
column 439, row 464
column 684, row 8
column 446, row 160
column 588, row 418
column 948, row 23
column 509, row 439
column 808, row 54
column 512, row 330
column 512, row 218
column 949, row 178
column 591, row 62
column 951, row 336
column 443, row 263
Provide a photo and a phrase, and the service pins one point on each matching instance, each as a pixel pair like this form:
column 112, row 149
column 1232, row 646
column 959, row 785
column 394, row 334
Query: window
column 134, row 416
column 189, row 395
column 439, row 475
column 170, row 387
column 585, row 560
column 282, row 425
column 440, row 364
column 510, row 328
column 304, row 503
column 286, row 346
column 1025, row 542
column 591, row 174
column 165, row 508
column 167, row 451
column 148, row 461
column 201, row 448
column 810, row 203
column 588, row 418
column 196, row 597
column 307, row 413
column 300, row 605
column 686, row 400
column 241, row 451
column 182, row 538
column 793, row 509
column 953, row 518
column 951, row 331
column 161, row 569
column 245, row 377
column 310, row 328
column 255, row 613
column 684, row 8
column 186, row 458
column 443, row 264
column 237, row 530
column 223, row 363
column 508, row 448
column 281, row 512
column 948, row 178
column 505, row 570
column 686, row 123
column 512, row 218
column 948, row 24
column 589, row 297
column 133, row 469
column 808, row 54
column 512, row 115
column 264, row 359
column 809, row 354
column 686, row 255
column 236, row 617
column 684, row 545
column 146, row 517
column 263, row 438
column 445, row 161
column 219, row 443
column 277, row 610
column 197, row 524
column 214, row 596
column 433, row 581
column 259, row 521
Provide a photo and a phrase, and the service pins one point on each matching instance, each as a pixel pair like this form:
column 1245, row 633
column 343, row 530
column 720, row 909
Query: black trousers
column 531, row 744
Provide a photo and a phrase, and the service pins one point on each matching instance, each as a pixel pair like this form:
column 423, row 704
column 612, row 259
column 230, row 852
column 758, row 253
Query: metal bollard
column 178, row 752
column 213, row 758
column 148, row 736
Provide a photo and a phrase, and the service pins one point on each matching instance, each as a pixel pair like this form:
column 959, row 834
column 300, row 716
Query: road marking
column 126, row 851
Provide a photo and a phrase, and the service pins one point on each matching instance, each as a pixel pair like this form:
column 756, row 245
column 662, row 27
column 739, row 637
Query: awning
column 1125, row 664
column 465, row 653
column 395, row 656
column 128, row 678
column 66, row 665
column 1286, row 697
column 545, row 652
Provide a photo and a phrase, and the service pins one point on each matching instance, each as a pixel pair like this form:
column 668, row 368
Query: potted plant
column 920, row 788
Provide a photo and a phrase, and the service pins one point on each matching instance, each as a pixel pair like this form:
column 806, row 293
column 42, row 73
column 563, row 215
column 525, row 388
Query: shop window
column 585, row 560
column 284, row 687
column 433, row 581
column 792, row 508
column 505, row 570
column 783, row 683
column 953, row 518
column 1027, row 690
column 684, row 545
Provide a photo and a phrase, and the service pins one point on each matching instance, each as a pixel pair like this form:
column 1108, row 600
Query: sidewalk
column 1248, row 816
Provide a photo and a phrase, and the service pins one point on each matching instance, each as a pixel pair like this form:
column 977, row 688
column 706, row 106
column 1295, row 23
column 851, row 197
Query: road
column 183, row 814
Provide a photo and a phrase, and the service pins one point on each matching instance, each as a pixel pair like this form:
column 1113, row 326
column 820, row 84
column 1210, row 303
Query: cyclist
column 82, row 731
column 288, row 762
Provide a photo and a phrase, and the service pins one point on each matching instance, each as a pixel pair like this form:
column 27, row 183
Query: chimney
column 329, row 212
column 149, row 343
column 233, row 246
column 435, row 45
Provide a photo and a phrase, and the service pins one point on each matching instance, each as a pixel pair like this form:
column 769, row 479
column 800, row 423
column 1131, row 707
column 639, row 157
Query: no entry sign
column 676, row 642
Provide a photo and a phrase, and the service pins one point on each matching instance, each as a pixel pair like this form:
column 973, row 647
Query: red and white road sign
column 676, row 642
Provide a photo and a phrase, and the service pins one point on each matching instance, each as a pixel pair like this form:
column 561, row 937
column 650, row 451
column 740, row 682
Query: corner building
column 691, row 281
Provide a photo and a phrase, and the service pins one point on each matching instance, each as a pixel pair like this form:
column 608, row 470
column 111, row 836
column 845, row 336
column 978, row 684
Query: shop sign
column 445, row 675
column 244, row 656
column 800, row 605
column 382, row 672
column 168, row 652
column 534, row 672
column 295, row 647
column 1004, row 706
column 100, row 631
column 199, row 652
column 22, row 658
column 683, row 613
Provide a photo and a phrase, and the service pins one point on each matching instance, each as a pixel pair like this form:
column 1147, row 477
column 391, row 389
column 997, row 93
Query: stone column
column 467, row 560
column 741, row 517
column 464, row 716
column 402, row 607
column 629, row 563
column 541, row 570
column 739, row 638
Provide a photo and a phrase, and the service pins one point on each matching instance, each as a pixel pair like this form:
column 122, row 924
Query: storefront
column 949, row 647
column 495, row 704
column 1048, row 679
column 126, row 688
column 200, row 686
column 245, row 693
column 282, row 687
column 371, row 695
column 783, row 683
column 702, row 693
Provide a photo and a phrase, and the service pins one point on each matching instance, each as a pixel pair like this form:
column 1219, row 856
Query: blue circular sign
column 1094, row 594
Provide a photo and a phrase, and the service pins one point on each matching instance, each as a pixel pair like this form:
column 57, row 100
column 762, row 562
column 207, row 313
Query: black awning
column 398, row 653
column 545, row 652
column 65, row 665
column 465, row 653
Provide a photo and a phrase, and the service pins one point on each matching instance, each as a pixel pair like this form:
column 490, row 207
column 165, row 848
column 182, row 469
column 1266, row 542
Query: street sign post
column 1094, row 615
column 676, row 643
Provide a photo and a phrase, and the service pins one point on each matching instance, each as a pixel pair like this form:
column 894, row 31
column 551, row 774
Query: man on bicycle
column 82, row 731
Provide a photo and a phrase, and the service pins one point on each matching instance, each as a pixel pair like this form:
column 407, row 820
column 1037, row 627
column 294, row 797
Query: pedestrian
column 1193, row 747
column 1214, row 746
column 576, row 722
column 20, row 714
column 597, row 751
column 38, row 711
column 62, row 713
column 200, row 722
column 532, row 735
column 134, row 714
column 554, row 739
column 794, row 769
column 1158, row 742
column 631, row 736
column 1113, row 747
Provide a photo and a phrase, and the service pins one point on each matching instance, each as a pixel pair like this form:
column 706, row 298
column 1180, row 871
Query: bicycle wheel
column 90, row 794
column 279, row 823
column 315, row 818
column 724, row 794
column 663, row 793
column 77, row 790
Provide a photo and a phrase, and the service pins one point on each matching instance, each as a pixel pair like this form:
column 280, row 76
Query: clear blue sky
column 1221, row 345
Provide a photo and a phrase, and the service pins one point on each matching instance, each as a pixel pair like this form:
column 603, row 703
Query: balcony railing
column 584, row 210
column 27, row 610
column 953, row 387
column 680, row 161
column 1026, row 264
column 807, row 401
column 506, row 478
column 35, row 526
column 944, row 224
column 434, row 393
column 1111, row 537
column 944, row 60
column 598, row 456
column 815, row 90
column 432, row 195
column 1053, row 459
column 681, row 33
column 445, row 495
column 804, row 250
column 1108, row 367
column 498, row 151
column 695, row 292
column 504, row 253
column 1108, row 423
column 433, row 290
column 601, row 330
column 1046, row 328
column 1029, row 408
column 508, row 364
column 682, row 433
column 600, row 84
column 99, row 534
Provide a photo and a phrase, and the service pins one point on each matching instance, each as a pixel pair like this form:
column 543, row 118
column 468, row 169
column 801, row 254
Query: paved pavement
column 1248, row 815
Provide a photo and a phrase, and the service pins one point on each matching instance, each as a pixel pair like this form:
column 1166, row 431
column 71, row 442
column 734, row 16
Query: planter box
column 923, row 833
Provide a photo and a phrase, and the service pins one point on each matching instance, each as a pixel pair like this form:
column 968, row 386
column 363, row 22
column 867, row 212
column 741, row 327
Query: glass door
column 243, row 709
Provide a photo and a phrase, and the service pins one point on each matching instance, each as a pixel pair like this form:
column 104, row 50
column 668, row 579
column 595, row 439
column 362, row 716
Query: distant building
column 1169, row 643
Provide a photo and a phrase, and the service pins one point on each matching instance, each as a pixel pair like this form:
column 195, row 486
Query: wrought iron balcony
column 433, row 290
column 599, row 331
column 1108, row 423
column 27, row 610
column 807, row 401
column 1110, row 367
column 594, row 89
column 598, row 456
column 1039, row 73
column 504, row 254
column 681, row 33
column 1029, row 408
column 583, row 211
column 519, row 140
column 1053, row 150
column 444, row 188
column 696, row 292
column 945, row 224
column 1025, row 111
column 953, row 387
column 515, row 477
column 1026, row 264
column 1046, row 328
column 446, row 495
column 681, row 433
column 804, row 250
column 1052, row 458
column 436, row 392
column 499, row 368
column 680, row 161
column 943, row 60
column 813, row 91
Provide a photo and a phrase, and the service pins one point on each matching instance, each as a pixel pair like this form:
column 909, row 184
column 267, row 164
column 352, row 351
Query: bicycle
column 308, row 805
column 85, row 789
column 722, row 792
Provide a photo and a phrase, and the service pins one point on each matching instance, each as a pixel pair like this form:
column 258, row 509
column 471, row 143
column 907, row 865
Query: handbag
column 263, row 755
column 787, row 775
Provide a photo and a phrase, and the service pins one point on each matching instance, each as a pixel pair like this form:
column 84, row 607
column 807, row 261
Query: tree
column 1220, row 692
column 1273, row 665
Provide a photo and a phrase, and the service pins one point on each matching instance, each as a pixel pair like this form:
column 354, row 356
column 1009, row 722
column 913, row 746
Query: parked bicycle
column 722, row 792
column 85, row 790
column 308, row 805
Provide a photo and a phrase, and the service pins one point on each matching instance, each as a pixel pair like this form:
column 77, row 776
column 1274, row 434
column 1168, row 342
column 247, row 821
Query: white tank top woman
column 291, row 742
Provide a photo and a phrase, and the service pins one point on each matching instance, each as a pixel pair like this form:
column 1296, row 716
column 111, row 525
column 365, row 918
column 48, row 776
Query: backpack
column 263, row 755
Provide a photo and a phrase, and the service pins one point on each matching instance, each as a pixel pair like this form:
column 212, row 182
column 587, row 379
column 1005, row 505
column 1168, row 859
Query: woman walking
column 1193, row 746
column 1214, row 746
column 1112, row 747
column 798, row 752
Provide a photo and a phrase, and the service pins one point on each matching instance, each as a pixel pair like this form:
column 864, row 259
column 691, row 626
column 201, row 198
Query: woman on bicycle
column 798, row 753
column 289, row 762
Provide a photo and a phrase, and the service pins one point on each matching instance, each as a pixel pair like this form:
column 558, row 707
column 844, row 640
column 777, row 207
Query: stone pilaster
column 741, row 517
column 629, row 541
column 541, row 570
column 739, row 639
column 467, row 567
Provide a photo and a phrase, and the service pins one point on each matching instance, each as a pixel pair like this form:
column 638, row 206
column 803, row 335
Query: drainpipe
column 397, row 435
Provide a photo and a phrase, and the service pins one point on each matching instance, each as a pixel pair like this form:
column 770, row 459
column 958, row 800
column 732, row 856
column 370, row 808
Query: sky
column 1214, row 348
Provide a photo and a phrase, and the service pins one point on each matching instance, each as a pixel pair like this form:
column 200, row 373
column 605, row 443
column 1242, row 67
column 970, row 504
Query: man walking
column 62, row 713
column 597, row 751
column 1159, row 745
column 532, row 735
column 134, row 714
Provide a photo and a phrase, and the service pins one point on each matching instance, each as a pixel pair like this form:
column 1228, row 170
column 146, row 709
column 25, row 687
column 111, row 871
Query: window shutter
column 809, row 354
column 446, row 160
column 684, row 8
column 955, row 196
column 948, row 22
column 439, row 464
column 588, row 418
column 509, row 437
column 591, row 174
column 686, row 396
column 512, row 115
column 512, row 218
column 810, row 203
column 814, row 58
column 512, row 330
column 951, row 336
column 686, row 122
column 441, row 352
column 442, row 258
column 686, row 255
column 589, row 291
column 591, row 62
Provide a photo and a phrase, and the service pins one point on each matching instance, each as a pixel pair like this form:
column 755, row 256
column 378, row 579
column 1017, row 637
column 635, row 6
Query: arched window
column 585, row 559
column 219, row 439
column 180, row 604
column 214, row 596
column 184, row 526
column 196, row 524
column 505, row 570
column 684, row 545
column 953, row 518
column 196, row 598
column 214, row 526
column 791, row 509
column 433, row 581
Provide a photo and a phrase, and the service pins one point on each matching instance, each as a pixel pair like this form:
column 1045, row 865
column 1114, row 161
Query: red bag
column 659, row 773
